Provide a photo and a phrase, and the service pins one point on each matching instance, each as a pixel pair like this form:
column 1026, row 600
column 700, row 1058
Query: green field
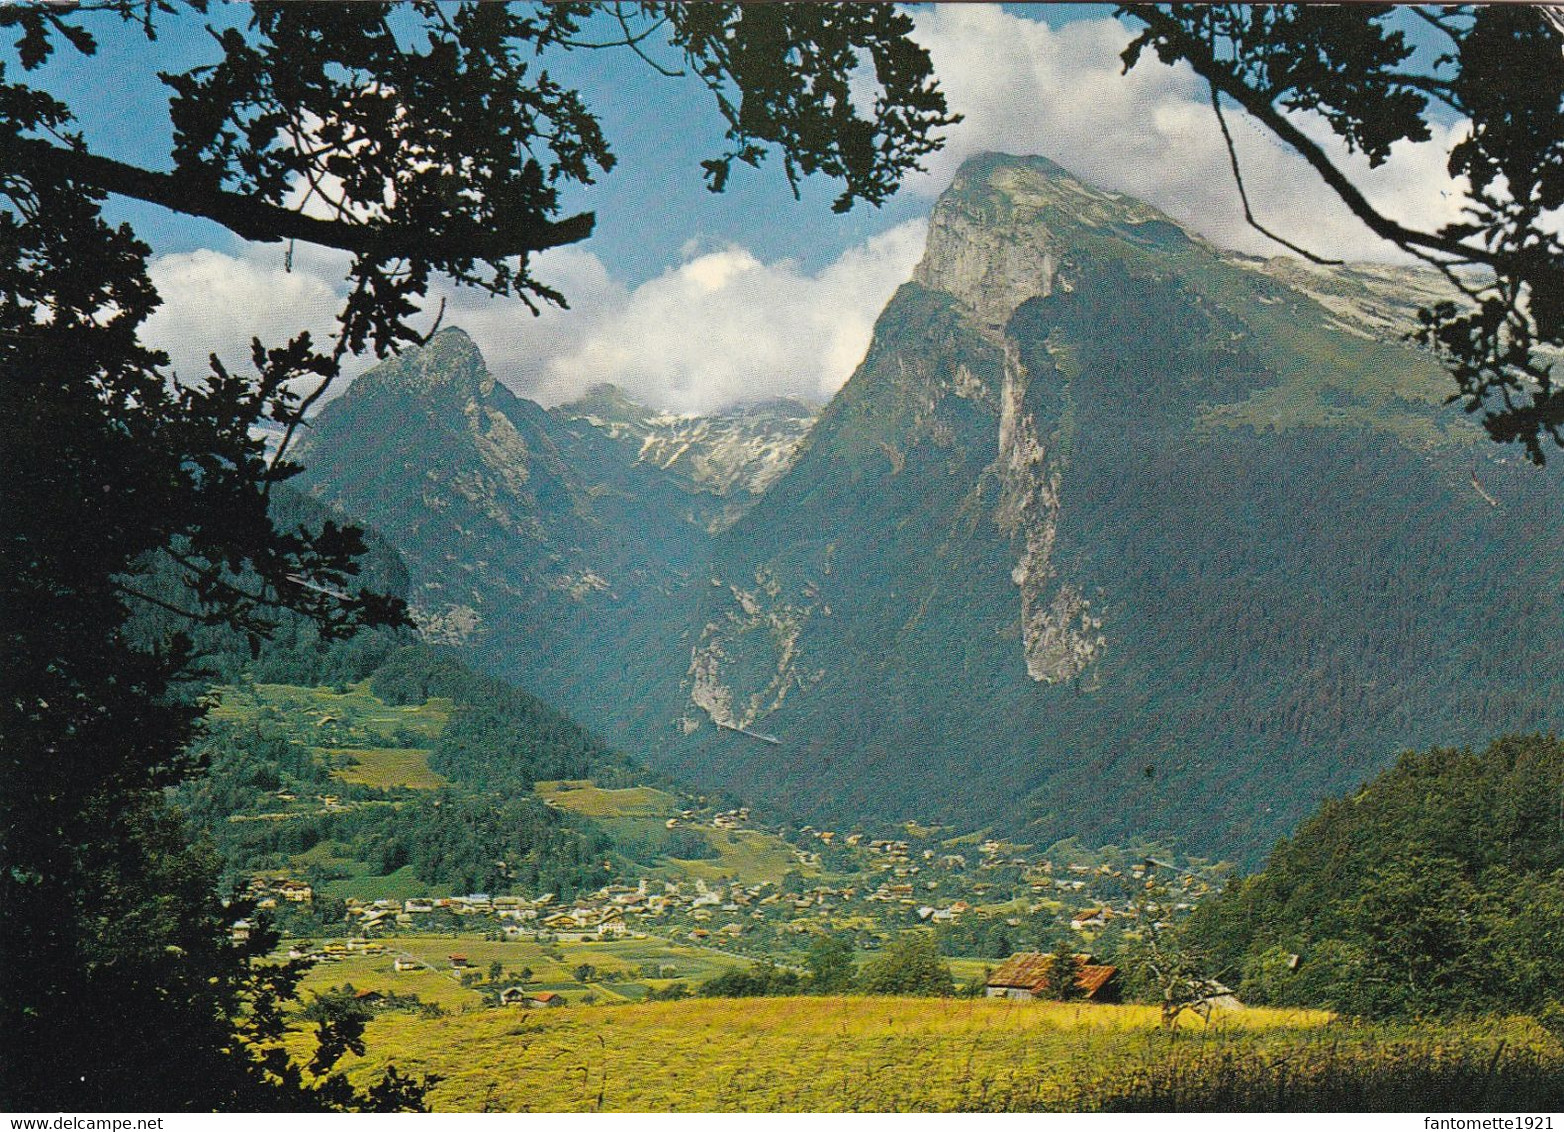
column 746, row 855
column 357, row 706
column 580, row 796
column 386, row 767
column 353, row 731
column 364, row 885
column 626, row 969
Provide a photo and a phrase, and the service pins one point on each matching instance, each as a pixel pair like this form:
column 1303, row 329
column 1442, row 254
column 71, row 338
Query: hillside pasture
column 581, row 796
column 383, row 767
column 641, row 813
column 354, row 709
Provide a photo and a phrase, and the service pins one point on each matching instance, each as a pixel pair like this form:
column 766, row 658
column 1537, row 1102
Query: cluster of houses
column 266, row 891
column 705, row 912
column 932, row 886
column 601, row 915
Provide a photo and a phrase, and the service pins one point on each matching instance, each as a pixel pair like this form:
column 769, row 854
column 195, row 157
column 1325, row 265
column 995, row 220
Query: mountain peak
column 607, row 402
column 1000, row 231
column 981, row 167
column 447, row 366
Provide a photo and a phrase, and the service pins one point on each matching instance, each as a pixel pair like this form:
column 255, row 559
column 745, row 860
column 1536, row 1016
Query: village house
column 403, row 963
column 546, row 998
column 1024, row 977
column 513, row 996
column 1091, row 918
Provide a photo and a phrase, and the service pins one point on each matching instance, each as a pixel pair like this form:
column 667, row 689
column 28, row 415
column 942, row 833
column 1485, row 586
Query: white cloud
column 720, row 327
column 215, row 303
column 1027, row 88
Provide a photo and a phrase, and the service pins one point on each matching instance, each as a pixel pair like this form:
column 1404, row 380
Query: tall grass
column 870, row 1054
column 1472, row 1067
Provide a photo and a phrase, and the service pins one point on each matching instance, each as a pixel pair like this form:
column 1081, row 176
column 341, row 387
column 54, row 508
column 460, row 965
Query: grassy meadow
column 364, row 740
column 749, row 856
column 385, row 767
column 908, row 1054
column 625, row 970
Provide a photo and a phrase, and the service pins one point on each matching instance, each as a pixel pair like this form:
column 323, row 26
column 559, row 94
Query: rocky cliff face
column 1004, row 234
column 1059, row 634
column 998, row 234
column 513, row 525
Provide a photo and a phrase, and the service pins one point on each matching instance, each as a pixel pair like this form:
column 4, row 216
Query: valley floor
column 901, row 1054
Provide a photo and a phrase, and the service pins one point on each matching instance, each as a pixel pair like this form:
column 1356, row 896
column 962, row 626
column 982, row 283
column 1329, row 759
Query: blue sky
column 650, row 208
column 690, row 299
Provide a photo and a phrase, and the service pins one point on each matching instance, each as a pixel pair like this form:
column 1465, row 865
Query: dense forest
column 1436, row 889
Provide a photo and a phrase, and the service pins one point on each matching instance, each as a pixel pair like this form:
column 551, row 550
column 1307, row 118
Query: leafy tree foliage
column 1438, row 888
column 831, row 969
column 763, row 980
column 1497, row 67
column 912, row 965
column 1164, row 966
column 1059, row 979
column 982, row 936
column 106, row 465
column 427, row 142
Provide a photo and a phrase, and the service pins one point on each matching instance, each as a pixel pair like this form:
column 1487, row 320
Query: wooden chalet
column 1024, row 977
